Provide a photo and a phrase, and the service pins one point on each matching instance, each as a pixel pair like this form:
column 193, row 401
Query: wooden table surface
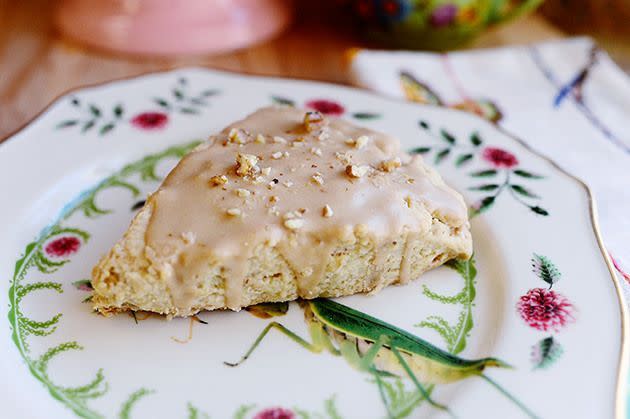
column 37, row 65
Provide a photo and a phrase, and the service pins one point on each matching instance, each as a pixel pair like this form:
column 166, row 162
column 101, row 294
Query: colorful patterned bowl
column 433, row 24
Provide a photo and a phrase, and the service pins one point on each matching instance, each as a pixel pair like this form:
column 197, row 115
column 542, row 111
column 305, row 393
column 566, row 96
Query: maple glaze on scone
column 281, row 205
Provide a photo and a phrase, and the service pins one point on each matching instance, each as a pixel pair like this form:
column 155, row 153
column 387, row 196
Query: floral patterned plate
column 539, row 296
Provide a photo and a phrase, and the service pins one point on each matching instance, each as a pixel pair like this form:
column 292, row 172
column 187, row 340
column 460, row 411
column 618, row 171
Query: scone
column 284, row 204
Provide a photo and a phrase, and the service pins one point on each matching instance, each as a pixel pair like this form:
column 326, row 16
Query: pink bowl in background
column 172, row 27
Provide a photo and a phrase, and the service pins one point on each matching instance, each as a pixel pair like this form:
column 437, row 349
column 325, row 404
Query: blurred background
column 48, row 47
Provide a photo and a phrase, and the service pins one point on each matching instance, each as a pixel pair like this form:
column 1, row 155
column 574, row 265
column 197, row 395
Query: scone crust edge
column 128, row 279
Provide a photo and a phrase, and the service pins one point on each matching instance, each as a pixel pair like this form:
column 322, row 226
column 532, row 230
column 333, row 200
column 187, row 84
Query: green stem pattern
column 75, row 398
column 455, row 336
column 125, row 410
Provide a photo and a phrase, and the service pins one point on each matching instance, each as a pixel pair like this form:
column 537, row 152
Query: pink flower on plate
column 327, row 107
column 150, row 120
column 499, row 158
column 63, row 246
column 544, row 309
column 275, row 413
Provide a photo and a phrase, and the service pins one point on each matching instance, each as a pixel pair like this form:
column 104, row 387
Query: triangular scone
column 281, row 205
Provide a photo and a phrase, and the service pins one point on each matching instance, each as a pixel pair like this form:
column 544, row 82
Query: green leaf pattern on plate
column 505, row 168
column 455, row 335
column 103, row 120
column 46, row 255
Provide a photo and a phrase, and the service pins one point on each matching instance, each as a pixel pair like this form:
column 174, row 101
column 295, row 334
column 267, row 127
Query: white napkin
column 566, row 98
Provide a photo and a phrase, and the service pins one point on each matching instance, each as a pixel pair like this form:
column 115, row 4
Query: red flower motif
column 63, row 246
column 150, row 120
column 544, row 309
column 327, row 107
column 275, row 413
column 499, row 158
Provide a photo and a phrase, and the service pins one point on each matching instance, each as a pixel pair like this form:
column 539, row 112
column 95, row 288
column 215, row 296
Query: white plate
column 71, row 178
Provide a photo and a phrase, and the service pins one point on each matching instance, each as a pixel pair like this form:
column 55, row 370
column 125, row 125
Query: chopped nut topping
column 391, row 165
column 313, row 120
column 260, row 139
column 298, row 142
column 280, row 154
column 294, row 223
column 410, row 180
column 273, row 183
column 243, row 193
column 317, row 151
column 409, row 201
column 361, row 141
column 287, row 183
column 234, row 212
column 356, row 171
column 317, row 178
column 258, row 180
column 279, row 140
column 246, row 164
column 345, row 157
column 292, row 214
column 218, row 180
column 236, row 136
column 189, row 237
column 327, row 211
column 266, row 171
column 357, row 143
column 273, row 198
column 323, row 136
